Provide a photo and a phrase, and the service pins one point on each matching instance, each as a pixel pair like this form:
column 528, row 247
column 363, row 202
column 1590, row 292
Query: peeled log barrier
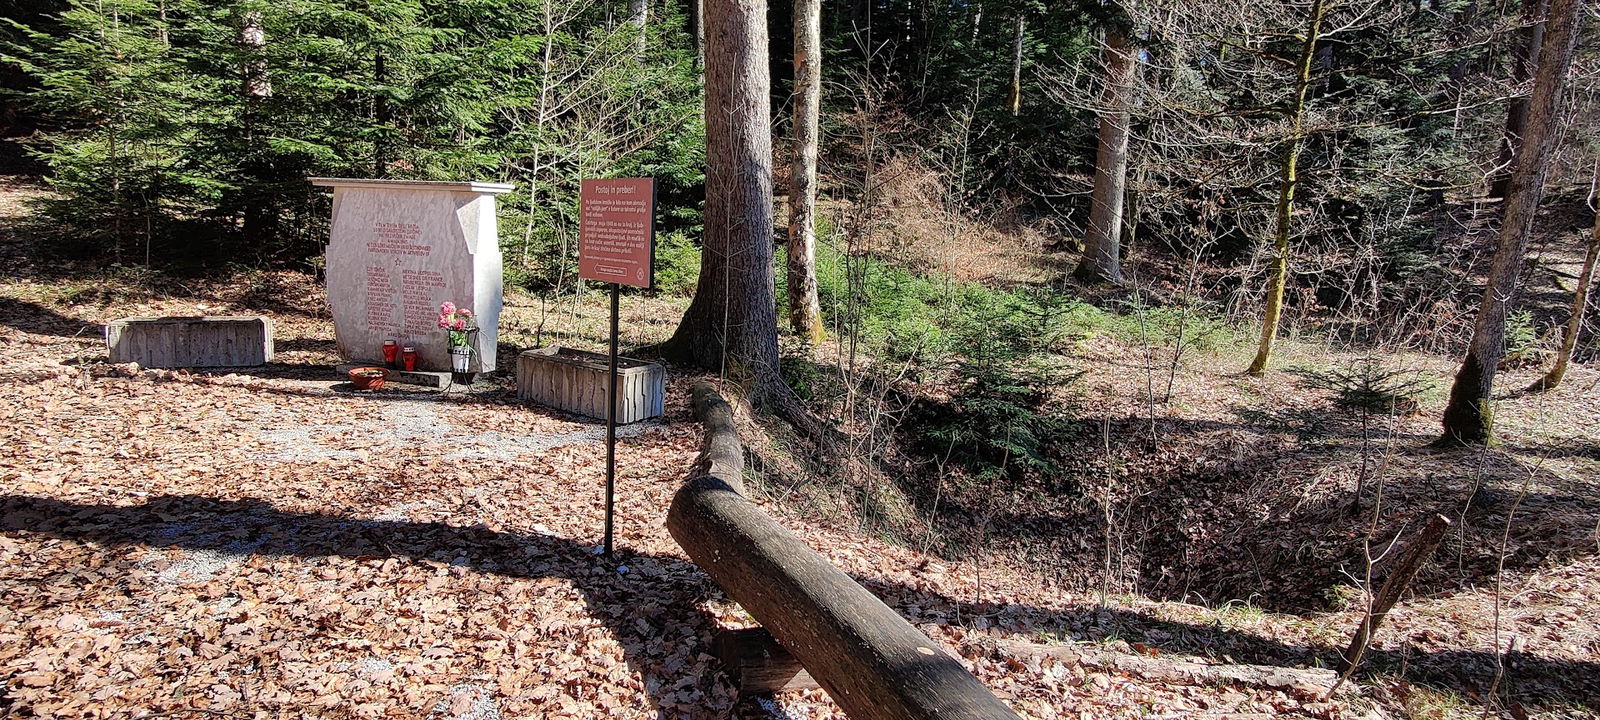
column 872, row 662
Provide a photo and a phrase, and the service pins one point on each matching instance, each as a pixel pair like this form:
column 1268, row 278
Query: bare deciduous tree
column 1014, row 100
column 805, row 315
column 1580, row 304
column 1102, row 252
column 1289, row 179
column 1524, row 55
column 1468, row 417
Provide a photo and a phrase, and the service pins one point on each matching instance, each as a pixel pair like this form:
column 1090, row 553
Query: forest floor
column 269, row 543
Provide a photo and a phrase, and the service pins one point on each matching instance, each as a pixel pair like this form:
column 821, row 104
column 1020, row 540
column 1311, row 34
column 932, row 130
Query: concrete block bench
column 187, row 342
column 575, row 381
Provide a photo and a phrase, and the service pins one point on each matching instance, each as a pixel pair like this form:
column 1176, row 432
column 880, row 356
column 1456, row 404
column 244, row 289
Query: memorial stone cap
column 491, row 188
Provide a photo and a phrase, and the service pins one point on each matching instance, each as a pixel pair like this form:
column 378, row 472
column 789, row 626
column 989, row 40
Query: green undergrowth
column 993, row 358
column 898, row 313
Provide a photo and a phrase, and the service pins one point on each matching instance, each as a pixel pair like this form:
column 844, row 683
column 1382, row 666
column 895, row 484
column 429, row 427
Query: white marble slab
column 400, row 248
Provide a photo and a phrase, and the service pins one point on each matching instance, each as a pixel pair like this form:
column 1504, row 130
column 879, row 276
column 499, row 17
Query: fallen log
column 873, row 663
column 1421, row 548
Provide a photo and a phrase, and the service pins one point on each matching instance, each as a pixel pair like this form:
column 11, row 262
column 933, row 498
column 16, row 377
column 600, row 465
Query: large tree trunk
column 1014, row 101
column 1102, row 252
column 1580, row 306
column 732, row 322
column 1467, row 419
column 1279, row 272
column 805, row 313
column 1524, row 56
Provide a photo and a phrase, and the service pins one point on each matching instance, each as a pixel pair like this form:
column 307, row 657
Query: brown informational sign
column 617, row 233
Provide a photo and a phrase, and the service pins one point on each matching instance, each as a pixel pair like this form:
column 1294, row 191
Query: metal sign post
column 616, row 244
column 611, row 421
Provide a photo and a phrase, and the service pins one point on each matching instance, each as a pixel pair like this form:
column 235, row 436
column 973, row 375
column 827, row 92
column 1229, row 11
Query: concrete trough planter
column 575, row 381
column 191, row 342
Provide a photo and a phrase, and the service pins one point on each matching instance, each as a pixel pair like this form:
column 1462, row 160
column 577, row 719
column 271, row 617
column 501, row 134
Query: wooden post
column 758, row 664
column 873, row 663
column 1421, row 547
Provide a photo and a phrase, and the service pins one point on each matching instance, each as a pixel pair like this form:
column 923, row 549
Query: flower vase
column 461, row 364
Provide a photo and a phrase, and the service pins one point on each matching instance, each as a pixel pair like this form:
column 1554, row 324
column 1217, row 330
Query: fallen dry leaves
column 241, row 544
column 268, row 546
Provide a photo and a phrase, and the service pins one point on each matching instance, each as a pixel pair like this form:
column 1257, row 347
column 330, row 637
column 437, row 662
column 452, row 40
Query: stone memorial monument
column 400, row 248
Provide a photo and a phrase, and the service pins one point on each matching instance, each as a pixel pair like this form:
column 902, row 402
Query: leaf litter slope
column 229, row 543
column 240, row 544
column 244, row 545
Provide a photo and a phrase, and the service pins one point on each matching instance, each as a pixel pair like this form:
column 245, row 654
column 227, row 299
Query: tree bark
column 1015, row 100
column 1580, row 305
column 256, row 87
column 639, row 15
column 1525, row 57
column 731, row 324
column 1467, row 418
column 805, row 313
column 1102, row 252
column 1279, row 272
column 697, row 31
column 1130, row 211
column 382, row 116
column 1421, row 548
column 253, row 40
column 722, row 455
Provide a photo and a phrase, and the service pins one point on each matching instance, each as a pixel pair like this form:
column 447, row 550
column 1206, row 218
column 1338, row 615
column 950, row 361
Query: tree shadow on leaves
column 35, row 318
column 650, row 608
column 1530, row 679
column 674, row 587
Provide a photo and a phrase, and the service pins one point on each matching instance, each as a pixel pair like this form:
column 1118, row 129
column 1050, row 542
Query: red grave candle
column 409, row 357
column 390, row 349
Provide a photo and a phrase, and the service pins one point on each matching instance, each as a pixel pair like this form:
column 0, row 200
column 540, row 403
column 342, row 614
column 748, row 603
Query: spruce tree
column 109, row 78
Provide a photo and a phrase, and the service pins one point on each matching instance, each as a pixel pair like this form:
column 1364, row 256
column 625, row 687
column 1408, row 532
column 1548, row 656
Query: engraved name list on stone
column 397, row 249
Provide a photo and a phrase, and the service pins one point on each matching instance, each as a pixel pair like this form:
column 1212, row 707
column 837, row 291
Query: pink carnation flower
column 447, row 308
